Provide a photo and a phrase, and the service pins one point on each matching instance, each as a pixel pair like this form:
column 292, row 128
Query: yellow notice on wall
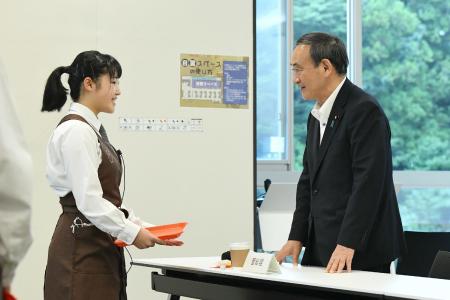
column 214, row 81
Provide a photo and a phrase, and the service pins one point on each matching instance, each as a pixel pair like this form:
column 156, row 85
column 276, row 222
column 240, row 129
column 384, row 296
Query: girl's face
column 105, row 94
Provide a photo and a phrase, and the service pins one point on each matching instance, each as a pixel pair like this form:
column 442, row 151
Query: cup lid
column 239, row 246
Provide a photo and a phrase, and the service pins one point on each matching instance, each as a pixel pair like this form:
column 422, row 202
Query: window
column 406, row 65
column 308, row 16
column 271, row 78
column 425, row 209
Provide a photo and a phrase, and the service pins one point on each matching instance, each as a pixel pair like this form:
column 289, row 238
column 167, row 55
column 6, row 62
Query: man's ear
column 89, row 84
column 327, row 66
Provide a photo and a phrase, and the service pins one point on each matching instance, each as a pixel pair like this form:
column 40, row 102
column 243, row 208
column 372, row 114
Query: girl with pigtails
column 85, row 170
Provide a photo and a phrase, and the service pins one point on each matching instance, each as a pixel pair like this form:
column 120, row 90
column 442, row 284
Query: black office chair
column 422, row 249
column 441, row 266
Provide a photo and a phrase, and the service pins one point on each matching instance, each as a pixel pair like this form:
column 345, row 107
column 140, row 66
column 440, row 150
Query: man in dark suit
column 346, row 214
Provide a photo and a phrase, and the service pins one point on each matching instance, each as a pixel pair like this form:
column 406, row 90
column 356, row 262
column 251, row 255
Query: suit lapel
column 315, row 141
column 333, row 123
column 312, row 142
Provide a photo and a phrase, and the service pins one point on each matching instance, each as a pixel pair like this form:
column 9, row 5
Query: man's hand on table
column 341, row 257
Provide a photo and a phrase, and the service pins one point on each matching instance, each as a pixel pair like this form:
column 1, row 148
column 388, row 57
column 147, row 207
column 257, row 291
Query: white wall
column 203, row 178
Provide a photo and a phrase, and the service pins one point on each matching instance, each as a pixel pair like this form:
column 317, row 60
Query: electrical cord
column 131, row 260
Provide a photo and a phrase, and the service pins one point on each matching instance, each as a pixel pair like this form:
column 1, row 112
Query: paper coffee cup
column 238, row 253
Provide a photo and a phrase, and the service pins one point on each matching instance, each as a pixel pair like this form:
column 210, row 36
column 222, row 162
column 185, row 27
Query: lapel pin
column 332, row 121
column 336, row 117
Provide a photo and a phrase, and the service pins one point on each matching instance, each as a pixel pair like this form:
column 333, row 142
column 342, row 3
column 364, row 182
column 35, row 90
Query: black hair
column 91, row 64
column 327, row 46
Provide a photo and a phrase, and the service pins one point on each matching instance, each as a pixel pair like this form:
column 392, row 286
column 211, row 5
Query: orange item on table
column 163, row 232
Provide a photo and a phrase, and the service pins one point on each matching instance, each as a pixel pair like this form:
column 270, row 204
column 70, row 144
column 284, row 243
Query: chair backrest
column 441, row 266
column 275, row 214
column 422, row 249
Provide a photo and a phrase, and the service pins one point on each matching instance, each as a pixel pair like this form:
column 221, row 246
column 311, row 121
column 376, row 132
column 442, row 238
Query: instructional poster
column 214, row 81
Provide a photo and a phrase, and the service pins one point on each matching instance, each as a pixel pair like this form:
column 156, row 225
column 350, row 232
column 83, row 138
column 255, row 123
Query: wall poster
column 214, row 81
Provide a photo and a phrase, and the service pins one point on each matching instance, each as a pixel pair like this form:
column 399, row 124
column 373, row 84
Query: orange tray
column 163, row 232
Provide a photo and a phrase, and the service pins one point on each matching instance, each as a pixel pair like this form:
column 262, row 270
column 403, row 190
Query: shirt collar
column 86, row 113
column 322, row 113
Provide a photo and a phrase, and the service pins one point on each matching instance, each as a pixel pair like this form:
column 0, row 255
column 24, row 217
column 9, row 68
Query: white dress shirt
column 73, row 159
column 15, row 187
column 322, row 113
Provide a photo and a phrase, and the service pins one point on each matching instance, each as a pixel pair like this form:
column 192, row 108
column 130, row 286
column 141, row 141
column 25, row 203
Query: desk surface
column 358, row 281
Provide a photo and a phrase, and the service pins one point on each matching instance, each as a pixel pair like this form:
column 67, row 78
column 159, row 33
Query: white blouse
column 73, row 158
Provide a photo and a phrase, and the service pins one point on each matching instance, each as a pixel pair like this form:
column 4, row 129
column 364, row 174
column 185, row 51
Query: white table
column 194, row 277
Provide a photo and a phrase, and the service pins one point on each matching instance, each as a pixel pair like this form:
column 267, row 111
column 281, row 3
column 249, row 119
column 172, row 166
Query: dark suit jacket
column 345, row 194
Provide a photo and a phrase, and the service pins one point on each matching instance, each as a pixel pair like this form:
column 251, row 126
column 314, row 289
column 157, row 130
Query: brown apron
column 83, row 263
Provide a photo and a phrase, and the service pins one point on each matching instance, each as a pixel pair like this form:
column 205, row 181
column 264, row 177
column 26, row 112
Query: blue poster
column 235, row 82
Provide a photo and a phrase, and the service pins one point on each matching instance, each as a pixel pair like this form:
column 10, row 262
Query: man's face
column 309, row 78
